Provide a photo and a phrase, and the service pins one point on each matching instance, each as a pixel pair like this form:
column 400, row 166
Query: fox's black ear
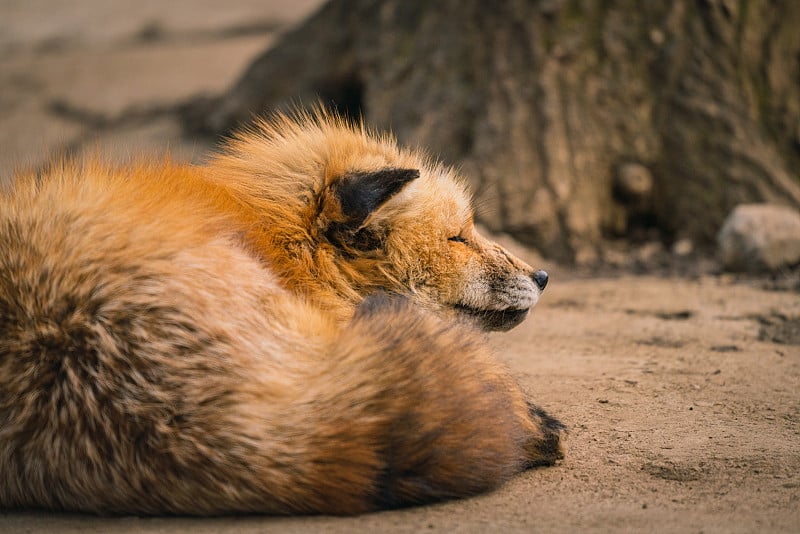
column 361, row 193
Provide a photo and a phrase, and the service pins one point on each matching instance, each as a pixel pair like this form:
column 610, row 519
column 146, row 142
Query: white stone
column 683, row 247
column 759, row 237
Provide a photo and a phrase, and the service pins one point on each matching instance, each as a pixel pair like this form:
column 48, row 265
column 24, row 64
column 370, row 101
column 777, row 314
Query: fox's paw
column 547, row 446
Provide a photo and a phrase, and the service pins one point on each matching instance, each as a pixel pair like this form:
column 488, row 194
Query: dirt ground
column 682, row 394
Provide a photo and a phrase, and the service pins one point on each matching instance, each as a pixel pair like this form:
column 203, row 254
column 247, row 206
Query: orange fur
column 202, row 340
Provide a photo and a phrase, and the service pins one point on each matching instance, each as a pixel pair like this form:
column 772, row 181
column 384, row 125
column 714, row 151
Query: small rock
column 634, row 182
column 759, row 237
column 682, row 247
column 657, row 36
column 650, row 252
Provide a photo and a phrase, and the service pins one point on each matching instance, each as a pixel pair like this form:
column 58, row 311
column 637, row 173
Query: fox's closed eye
column 457, row 239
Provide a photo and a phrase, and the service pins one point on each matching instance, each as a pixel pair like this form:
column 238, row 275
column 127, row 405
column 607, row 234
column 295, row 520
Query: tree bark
column 552, row 107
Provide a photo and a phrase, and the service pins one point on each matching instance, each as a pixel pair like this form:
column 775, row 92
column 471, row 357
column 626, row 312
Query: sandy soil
column 682, row 396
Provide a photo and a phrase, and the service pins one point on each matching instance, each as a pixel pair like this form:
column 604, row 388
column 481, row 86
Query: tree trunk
column 575, row 120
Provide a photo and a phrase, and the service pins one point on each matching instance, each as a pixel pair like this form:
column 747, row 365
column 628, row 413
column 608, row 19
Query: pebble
column 759, row 238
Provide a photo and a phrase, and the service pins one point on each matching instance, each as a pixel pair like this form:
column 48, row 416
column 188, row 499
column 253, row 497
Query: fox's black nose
column 540, row 277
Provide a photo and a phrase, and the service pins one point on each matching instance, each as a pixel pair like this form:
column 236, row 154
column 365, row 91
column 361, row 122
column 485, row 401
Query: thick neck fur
column 295, row 166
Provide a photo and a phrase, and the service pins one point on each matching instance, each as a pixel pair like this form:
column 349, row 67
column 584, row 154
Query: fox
column 295, row 326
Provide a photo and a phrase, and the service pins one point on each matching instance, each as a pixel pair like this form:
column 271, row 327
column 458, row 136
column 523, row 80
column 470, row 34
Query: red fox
column 292, row 328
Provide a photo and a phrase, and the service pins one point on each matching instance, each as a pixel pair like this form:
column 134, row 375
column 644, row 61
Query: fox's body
column 178, row 339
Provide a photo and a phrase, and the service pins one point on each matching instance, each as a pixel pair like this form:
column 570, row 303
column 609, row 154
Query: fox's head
column 348, row 213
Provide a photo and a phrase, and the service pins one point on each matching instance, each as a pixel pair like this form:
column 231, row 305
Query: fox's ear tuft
column 361, row 193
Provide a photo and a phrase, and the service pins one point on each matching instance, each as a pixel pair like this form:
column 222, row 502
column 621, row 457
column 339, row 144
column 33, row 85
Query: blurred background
column 604, row 134
column 77, row 75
